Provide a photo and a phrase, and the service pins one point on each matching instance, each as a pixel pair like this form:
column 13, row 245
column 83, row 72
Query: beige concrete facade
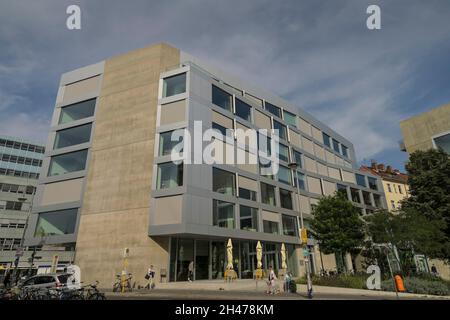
column 115, row 208
column 418, row 131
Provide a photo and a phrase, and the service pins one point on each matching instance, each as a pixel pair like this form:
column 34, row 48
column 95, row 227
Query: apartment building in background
column 395, row 183
column 427, row 130
column 108, row 184
column 20, row 163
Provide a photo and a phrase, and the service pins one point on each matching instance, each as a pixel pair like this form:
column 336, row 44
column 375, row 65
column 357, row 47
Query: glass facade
column 68, row 162
column 268, row 194
column 286, row 199
column 248, row 218
column 73, row 136
column 223, row 214
column 56, row 223
column 224, row 182
column 77, row 111
column 221, row 98
column 166, row 144
column 284, row 175
column 270, row 227
column 290, row 118
column 174, row 85
column 170, row 175
column 283, row 153
column 243, row 110
column 289, row 225
column 273, row 109
column 282, row 132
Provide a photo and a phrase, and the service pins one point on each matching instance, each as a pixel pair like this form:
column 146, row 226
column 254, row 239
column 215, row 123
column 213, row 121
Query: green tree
column 429, row 201
column 337, row 226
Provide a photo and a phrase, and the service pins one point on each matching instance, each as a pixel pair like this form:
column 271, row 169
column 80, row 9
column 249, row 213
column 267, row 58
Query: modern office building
column 20, row 163
column 395, row 183
column 427, row 130
column 108, row 183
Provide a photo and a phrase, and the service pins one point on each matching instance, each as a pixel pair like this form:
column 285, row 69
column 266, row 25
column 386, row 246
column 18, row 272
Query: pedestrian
column 271, row 282
column 7, row 279
column 191, row 271
column 150, row 276
column 287, row 281
column 434, row 270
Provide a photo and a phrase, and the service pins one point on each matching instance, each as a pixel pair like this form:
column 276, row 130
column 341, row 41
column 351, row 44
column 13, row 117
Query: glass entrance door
column 218, row 259
column 201, row 259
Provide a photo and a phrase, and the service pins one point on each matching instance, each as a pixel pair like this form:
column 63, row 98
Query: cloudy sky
column 317, row 54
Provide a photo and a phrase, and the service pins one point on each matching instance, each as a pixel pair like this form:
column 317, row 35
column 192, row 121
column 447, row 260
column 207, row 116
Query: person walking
column 271, row 282
column 434, row 270
column 150, row 276
column 287, row 281
column 191, row 271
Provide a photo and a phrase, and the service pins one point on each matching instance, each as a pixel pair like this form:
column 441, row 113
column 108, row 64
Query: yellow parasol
column 258, row 255
column 230, row 255
column 283, row 257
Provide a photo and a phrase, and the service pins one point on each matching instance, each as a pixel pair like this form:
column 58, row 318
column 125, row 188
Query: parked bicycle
column 92, row 292
column 124, row 284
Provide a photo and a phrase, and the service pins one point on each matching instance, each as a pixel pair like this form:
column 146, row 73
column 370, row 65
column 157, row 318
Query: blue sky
column 317, row 54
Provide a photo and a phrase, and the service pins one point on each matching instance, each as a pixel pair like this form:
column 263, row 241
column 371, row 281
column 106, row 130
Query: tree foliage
column 337, row 225
column 428, row 206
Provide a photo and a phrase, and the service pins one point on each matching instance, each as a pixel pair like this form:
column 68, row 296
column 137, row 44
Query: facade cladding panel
column 190, row 217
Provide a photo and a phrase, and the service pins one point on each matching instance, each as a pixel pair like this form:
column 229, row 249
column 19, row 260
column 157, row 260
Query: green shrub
column 355, row 281
column 421, row 285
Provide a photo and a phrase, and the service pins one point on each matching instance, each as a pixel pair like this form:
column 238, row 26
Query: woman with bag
column 149, row 277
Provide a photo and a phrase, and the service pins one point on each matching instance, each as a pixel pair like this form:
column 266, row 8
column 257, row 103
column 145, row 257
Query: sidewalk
column 251, row 286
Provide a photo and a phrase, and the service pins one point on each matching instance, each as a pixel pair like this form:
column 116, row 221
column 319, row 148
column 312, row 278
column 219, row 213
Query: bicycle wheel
column 116, row 287
column 97, row 296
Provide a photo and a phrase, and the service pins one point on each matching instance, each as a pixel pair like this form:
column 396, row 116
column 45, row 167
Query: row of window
column 8, row 244
column 72, row 161
column 21, row 160
column 11, row 205
column 394, row 188
column 224, row 217
column 366, row 197
column 21, row 146
column 177, row 84
column 361, row 181
column 12, row 225
column 18, row 173
column 15, row 188
column 224, row 100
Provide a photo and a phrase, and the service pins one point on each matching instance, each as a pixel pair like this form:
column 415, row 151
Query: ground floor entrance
column 209, row 258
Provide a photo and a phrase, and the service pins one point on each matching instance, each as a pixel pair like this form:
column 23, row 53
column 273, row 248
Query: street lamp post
column 293, row 166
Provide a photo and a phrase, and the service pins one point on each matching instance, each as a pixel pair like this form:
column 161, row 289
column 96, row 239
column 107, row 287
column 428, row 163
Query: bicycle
column 92, row 292
column 118, row 286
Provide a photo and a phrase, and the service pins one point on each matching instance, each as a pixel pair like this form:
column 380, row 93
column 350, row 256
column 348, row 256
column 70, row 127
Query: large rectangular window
column 77, row 111
column 270, row 227
column 282, row 133
column 443, row 142
column 355, row 195
column 342, row 190
column 336, row 146
column 170, row 175
column 283, row 153
column 290, row 118
column 301, row 180
column 223, row 214
column 249, row 218
column 68, row 162
column 297, row 159
column 360, row 180
column 273, row 109
column 326, row 140
column 366, row 197
column 344, row 151
column 268, row 194
column 284, row 175
column 73, row 136
column 286, row 199
column 55, row 223
column 289, row 225
column 372, row 183
column 377, row 200
column 243, row 110
column 174, row 85
column 166, row 144
column 221, row 98
column 224, row 182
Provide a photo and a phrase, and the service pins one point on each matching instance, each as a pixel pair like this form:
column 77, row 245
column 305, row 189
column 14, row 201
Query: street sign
column 304, row 235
